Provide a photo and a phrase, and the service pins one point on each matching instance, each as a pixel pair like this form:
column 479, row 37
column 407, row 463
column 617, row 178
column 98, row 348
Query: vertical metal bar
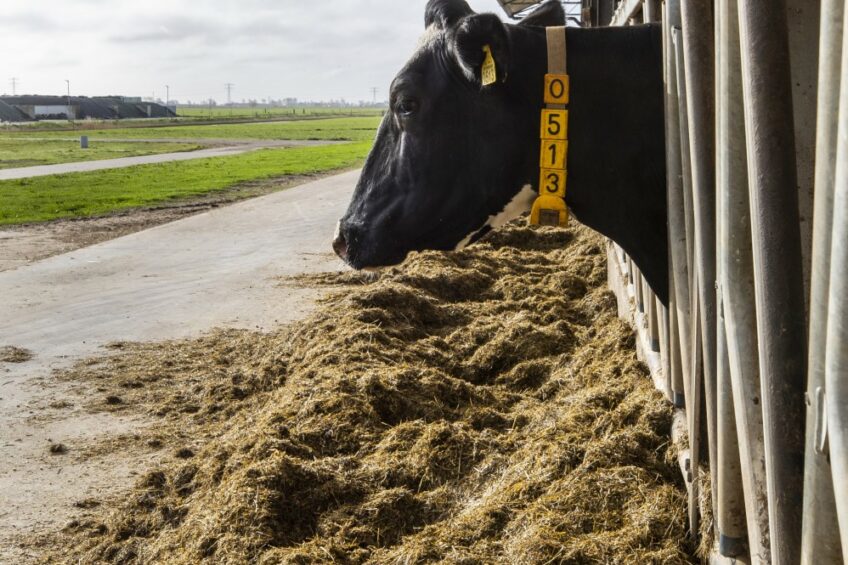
column 653, row 320
column 699, row 57
column 650, row 11
column 737, row 284
column 677, row 386
column 680, row 206
column 665, row 348
column 639, row 291
column 778, row 268
column 836, row 368
column 820, row 537
column 836, row 374
column 676, row 222
column 694, row 412
column 730, row 511
column 730, row 495
column 804, row 22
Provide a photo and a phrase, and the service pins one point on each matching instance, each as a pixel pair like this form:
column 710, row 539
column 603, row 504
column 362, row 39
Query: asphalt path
column 217, row 269
column 228, row 148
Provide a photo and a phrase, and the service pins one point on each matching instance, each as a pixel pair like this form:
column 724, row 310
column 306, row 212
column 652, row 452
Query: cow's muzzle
column 340, row 243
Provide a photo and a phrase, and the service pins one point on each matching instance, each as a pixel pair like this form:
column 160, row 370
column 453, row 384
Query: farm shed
column 753, row 348
column 83, row 107
column 9, row 113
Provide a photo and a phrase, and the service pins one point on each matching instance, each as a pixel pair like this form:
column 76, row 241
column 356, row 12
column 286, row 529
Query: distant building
column 28, row 108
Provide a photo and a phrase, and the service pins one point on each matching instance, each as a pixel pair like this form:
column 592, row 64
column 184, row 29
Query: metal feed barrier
column 753, row 348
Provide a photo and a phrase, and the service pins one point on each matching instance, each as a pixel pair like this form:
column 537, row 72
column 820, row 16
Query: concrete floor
column 217, row 269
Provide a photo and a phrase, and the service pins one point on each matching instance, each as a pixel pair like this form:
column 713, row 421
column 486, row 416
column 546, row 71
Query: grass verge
column 347, row 129
column 16, row 153
column 97, row 193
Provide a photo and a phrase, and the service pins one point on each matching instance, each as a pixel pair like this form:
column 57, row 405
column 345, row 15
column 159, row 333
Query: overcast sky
column 311, row 50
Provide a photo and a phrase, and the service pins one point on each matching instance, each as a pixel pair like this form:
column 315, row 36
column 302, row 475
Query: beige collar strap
column 557, row 62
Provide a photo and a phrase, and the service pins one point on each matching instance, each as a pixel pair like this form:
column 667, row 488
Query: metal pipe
column 730, row 494
column 778, row 267
column 699, row 58
column 650, row 11
column 680, row 206
column 676, row 224
column 820, row 536
column 639, row 291
column 737, row 284
column 804, row 26
column 677, row 386
column 694, row 414
column 730, row 509
column 836, row 368
column 665, row 349
column 653, row 320
column 836, row 374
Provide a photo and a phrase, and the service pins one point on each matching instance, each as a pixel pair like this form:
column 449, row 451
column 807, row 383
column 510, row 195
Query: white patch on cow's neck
column 520, row 203
column 430, row 35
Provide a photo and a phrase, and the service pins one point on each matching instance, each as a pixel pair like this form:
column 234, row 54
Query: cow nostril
column 340, row 246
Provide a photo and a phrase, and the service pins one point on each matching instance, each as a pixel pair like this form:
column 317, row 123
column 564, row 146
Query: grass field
column 264, row 112
column 349, row 129
column 97, row 193
column 27, row 153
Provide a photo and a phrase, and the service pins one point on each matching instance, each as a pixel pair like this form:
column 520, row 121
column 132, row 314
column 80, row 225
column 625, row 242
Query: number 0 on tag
column 556, row 89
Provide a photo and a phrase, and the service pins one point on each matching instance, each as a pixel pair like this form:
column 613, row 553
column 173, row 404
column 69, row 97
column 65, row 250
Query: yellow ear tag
column 489, row 73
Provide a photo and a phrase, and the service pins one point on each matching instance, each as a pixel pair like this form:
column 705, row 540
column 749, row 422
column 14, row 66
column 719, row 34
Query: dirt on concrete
column 484, row 406
column 12, row 354
column 24, row 244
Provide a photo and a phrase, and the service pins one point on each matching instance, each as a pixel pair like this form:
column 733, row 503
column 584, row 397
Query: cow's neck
column 616, row 162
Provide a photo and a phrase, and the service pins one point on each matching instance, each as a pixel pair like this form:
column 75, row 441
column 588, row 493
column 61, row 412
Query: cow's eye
column 406, row 107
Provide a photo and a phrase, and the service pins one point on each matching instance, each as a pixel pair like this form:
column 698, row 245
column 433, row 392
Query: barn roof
column 11, row 114
column 519, row 8
column 512, row 7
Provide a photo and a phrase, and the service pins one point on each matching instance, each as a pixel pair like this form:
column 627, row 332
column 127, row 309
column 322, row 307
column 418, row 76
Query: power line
column 14, row 81
column 374, row 92
column 229, row 86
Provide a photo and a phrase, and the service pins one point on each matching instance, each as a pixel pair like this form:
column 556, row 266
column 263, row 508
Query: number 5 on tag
column 555, row 124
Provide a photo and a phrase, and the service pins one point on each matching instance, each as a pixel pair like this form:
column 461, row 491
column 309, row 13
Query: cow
column 454, row 159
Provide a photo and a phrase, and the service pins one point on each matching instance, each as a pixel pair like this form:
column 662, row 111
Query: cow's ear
column 445, row 14
column 549, row 14
column 470, row 39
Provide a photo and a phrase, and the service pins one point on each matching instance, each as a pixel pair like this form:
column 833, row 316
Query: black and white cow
column 454, row 159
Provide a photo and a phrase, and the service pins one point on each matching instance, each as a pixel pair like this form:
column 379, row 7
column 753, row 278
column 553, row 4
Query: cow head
column 449, row 161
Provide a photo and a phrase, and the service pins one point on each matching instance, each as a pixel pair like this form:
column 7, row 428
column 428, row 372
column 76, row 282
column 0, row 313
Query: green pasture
column 261, row 112
column 97, row 193
column 347, row 129
column 32, row 152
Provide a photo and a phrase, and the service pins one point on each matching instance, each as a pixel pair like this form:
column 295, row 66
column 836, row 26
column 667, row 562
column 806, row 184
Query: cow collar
column 550, row 208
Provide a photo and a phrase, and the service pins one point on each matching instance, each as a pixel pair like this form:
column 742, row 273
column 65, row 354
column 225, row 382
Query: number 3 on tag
column 553, row 154
column 552, row 182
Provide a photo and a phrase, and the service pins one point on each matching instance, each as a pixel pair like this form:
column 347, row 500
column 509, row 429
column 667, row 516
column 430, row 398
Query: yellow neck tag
column 550, row 208
column 489, row 73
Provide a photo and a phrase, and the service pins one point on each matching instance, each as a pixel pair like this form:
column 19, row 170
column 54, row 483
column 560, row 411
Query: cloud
column 277, row 48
